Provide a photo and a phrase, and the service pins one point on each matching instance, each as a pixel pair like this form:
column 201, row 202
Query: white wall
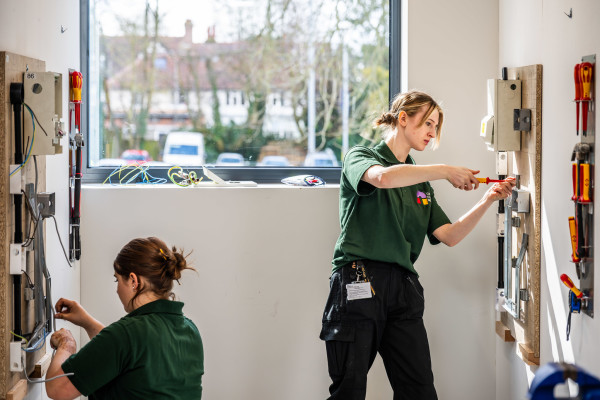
column 539, row 32
column 263, row 257
column 262, row 227
column 33, row 28
column 452, row 51
column 286, row 232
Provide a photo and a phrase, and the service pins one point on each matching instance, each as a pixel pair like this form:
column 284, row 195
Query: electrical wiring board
column 523, row 283
column 12, row 68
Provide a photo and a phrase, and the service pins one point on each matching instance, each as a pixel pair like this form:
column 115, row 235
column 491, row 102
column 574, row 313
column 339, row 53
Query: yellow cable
column 20, row 337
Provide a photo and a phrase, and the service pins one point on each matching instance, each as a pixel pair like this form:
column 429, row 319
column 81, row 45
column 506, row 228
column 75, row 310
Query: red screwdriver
column 488, row 180
column 578, row 98
column 567, row 281
column 586, row 72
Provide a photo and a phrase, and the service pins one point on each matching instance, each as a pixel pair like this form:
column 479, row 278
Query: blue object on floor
column 552, row 374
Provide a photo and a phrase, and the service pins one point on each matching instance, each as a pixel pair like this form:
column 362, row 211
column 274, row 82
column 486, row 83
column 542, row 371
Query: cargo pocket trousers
column 389, row 323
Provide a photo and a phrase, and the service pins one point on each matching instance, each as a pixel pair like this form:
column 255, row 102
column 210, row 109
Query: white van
column 184, row 149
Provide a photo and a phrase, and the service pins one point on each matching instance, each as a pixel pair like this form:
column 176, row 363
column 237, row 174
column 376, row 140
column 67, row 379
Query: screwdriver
column 573, row 231
column 488, row 180
column 586, row 81
column 567, row 281
column 577, row 76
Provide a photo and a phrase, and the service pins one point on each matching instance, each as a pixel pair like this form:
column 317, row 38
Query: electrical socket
column 15, row 357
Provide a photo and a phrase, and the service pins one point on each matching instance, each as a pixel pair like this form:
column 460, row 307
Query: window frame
column 256, row 174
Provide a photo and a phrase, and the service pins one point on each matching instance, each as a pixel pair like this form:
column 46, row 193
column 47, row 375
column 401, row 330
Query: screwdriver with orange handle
column 573, row 231
column 488, row 180
column 584, row 183
column 586, row 72
column 577, row 76
column 569, row 283
column 575, row 182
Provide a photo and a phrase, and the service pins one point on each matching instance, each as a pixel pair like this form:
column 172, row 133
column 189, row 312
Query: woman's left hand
column 500, row 190
column 63, row 339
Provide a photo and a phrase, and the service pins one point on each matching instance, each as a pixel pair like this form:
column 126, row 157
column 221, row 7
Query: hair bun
column 177, row 263
column 386, row 119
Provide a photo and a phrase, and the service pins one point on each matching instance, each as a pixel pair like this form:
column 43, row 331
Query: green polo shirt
column 388, row 225
column 154, row 352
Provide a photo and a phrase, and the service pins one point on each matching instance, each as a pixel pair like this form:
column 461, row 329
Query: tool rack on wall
column 581, row 225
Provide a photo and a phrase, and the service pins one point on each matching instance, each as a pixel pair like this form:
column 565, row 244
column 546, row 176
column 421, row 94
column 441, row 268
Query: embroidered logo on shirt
column 423, row 198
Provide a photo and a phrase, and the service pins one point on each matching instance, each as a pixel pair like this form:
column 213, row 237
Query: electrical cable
column 61, row 242
column 28, row 278
column 35, row 217
column 30, row 147
column 36, row 118
column 24, row 364
column 127, row 178
column 187, row 178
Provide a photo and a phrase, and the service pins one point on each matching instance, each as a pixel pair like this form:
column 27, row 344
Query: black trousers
column 390, row 322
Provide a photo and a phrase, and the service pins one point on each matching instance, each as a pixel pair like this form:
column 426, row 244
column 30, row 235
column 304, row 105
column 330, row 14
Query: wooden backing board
column 528, row 163
column 12, row 67
column 18, row 391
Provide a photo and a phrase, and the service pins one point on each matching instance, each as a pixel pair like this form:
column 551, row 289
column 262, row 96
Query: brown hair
column 411, row 102
column 152, row 259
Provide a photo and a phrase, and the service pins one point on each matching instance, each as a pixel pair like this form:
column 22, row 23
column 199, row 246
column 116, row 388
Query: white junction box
column 502, row 163
column 497, row 127
column 43, row 94
column 15, row 357
column 16, row 183
column 17, row 258
column 507, row 99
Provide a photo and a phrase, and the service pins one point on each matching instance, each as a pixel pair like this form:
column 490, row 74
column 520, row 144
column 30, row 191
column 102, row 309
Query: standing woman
column 154, row 352
column 387, row 208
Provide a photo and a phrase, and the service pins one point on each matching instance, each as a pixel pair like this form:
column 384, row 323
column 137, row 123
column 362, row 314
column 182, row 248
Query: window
column 309, row 74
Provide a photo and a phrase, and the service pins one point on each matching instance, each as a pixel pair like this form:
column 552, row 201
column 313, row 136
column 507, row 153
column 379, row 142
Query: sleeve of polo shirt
column 356, row 163
column 437, row 218
column 99, row 361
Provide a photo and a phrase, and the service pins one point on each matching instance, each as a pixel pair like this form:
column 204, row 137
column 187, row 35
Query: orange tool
column 567, row 281
column 575, row 182
column 573, row 231
column 584, row 183
column 488, row 180
column 586, row 73
column 577, row 76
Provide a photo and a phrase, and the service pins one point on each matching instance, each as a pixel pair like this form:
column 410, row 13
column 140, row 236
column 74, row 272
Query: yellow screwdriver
column 488, row 180
column 567, row 281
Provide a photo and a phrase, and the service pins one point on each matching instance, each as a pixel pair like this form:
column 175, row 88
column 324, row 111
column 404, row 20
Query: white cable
column 61, row 243
column 40, row 380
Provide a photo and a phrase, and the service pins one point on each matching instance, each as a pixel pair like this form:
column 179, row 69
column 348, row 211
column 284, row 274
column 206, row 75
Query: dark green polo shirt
column 388, row 225
column 154, row 352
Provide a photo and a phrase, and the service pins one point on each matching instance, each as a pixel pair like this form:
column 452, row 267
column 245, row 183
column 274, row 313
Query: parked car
column 184, row 149
column 110, row 162
column 274, row 161
column 133, row 156
column 321, row 159
column 230, row 159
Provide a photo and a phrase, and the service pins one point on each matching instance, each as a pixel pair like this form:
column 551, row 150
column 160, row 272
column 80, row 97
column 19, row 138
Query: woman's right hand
column 73, row 312
column 462, row 178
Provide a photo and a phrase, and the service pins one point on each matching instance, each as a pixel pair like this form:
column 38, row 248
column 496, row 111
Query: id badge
column 359, row 290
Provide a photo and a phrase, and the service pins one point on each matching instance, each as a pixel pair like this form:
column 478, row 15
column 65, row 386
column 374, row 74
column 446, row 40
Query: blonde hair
column 411, row 103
